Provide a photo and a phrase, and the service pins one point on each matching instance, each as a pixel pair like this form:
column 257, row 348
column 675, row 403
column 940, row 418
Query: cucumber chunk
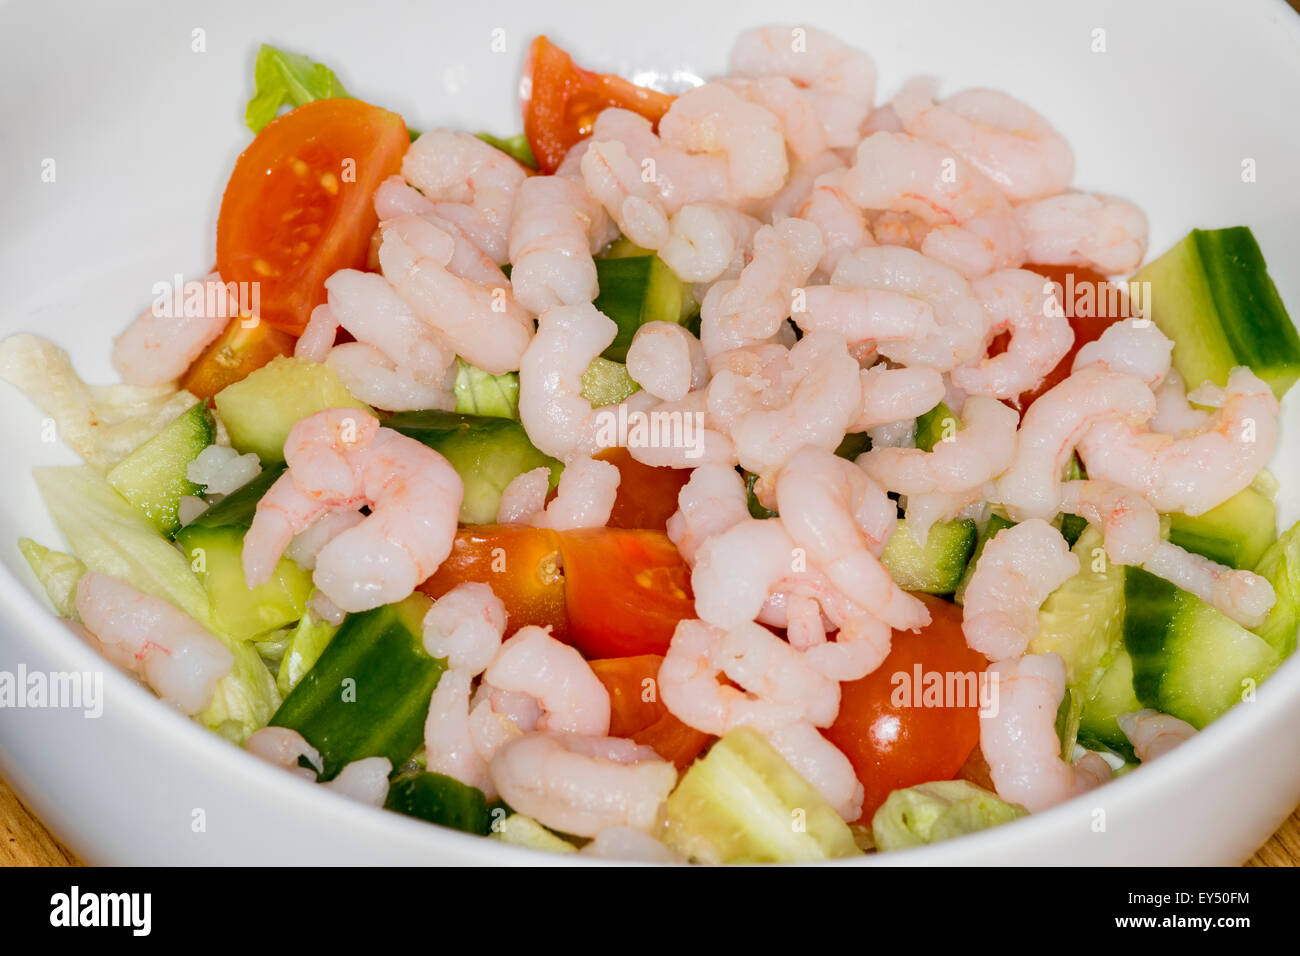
column 368, row 695
column 637, row 287
column 743, row 803
column 1112, row 695
column 153, row 476
column 481, row 393
column 1212, row 295
column 1236, row 533
column 935, row 568
column 1281, row 565
column 437, row 798
column 936, row 425
column 995, row 524
column 259, row 411
column 1083, row 619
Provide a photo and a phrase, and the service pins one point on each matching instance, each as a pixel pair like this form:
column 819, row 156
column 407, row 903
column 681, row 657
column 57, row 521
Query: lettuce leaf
column 282, row 78
column 479, row 393
column 937, row 811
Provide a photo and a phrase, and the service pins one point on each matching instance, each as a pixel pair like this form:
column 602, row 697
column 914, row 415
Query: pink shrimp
column 1154, row 734
column 553, row 673
column 162, row 342
column 1080, row 229
column 710, row 502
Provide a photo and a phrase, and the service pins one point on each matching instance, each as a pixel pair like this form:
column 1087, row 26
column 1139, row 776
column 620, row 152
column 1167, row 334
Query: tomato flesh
column 637, row 713
column 647, row 496
column 298, row 206
column 892, row 733
column 241, row 349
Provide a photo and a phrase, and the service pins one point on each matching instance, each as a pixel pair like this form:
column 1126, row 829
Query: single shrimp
column 712, row 500
column 368, row 374
column 341, row 458
column 825, row 403
column 895, row 394
column 829, row 507
column 666, row 360
column 1004, row 139
column 1244, row 596
column 1019, row 738
column 862, row 641
column 630, row 846
column 973, row 228
column 1196, row 472
column 736, row 569
column 1130, row 526
column 969, row 458
column 1082, row 229
column 800, row 124
column 551, row 778
column 1022, row 303
column 465, row 626
column 166, row 338
column 483, row 324
column 843, row 227
column 1134, row 346
column 469, row 182
column 448, row 742
column 1055, row 423
column 838, row 80
column 584, row 498
column 962, row 325
column 1175, row 414
column 866, row 317
column 624, row 189
column 572, row 697
column 821, row 764
column 707, row 242
column 1154, row 734
column 771, row 669
column 176, row 655
column 364, row 780
column 306, row 544
column 284, row 748
column 1018, row 568
column 525, row 496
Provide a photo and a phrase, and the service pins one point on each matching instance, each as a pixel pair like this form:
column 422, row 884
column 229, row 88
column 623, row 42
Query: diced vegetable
column 287, row 79
column 244, row 699
column 636, row 287
column 259, row 411
column 240, row 350
column 487, row 453
column 480, row 393
column 58, row 574
column 936, row 425
column 440, row 799
column 936, row 811
column 995, row 524
column 1211, row 294
column 936, row 567
column 236, row 510
column 1083, row 619
column 153, row 476
column 742, row 803
column 520, row 830
column 307, row 642
column 1281, row 565
column 1072, row 525
column 368, row 694
column 607, row 383
column 637, row 713
column 1112, row 695
column 1236, row 533
column 756, row 508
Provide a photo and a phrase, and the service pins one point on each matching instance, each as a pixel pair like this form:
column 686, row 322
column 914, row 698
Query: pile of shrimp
column 854, row 262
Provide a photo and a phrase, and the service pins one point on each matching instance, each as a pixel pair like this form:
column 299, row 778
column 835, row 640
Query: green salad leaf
column 481, row 393
column 937, row 811
column 283, row 78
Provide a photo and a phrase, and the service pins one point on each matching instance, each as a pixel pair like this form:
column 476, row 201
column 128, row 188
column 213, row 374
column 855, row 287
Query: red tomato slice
column 624, row 591
column 647, row 496
column 237, row 352
column 298, row 205
column 561, row 101
column 521, row 565
column 630, row 681
column 893, row 743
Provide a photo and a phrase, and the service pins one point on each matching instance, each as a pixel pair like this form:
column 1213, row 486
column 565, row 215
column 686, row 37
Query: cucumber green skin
column 1212, row 295
column 153, row 476
column 931, row 425
column 853, row 445
column 382, row 651
column 1150, row 604
column 440, row 799
column 634, row 290
column 486, row 452
column 1236, row 533
column 756, row 508
column 236, row 510
column 995, row 524
column 937, row 568
column 1098, row 728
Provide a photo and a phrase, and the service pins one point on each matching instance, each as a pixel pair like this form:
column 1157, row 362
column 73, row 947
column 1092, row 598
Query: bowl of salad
column 841, row 441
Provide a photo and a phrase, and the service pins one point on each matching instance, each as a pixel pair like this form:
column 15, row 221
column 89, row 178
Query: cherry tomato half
column 647, row 496
column 637, row 713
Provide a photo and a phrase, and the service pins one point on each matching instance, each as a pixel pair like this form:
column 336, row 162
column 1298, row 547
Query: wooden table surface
column 24, row 842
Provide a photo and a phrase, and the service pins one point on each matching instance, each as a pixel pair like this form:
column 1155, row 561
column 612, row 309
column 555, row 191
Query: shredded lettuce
column 1280, row 564
column 306, row 643
column 514, row 146
column 479, row 393
column 58, row 573
column 246, row 698
column 288, row 79
column 937, row 811
column 520, row 830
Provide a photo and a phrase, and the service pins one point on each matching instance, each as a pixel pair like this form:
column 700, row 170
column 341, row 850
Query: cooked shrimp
column 1018, row 568
column 306, row 544
column 821, row 764
column 707, row 241
column 961, row 322
column 798, row 188
column 175, row 654
column 710, row 502
column 484, row 325
column 571, row 696
column 163, row 341
column 364, row 780
column 318, row 335
column 470, row 182
column 843, row 226
column 1134, row 346
column 1003, row 138
column 584, row 498
column 630, row 846
column 737, row 568
column 826, row 402
column 1174, row 412
column 1154, row 734
column 1130, row 526
column 829, row 507
column 283, row 748
column 547, row 777
column 975, row 454
column 1055, row 423
column 448, row 743
column 862, row 641
column 1022, row 303
column 465, row 626
column 1244, row 596
column 973, row 228
column 618, row 182
column 1194, row 473
column 373, row 377
column 525, row 496
column 1081, row 229
column 895, row 394
column 341, row 458
column 768, row 667
column 800, row 124
column 666, row 360
column 838, row 80
column 1019, row 738
column 866, row 317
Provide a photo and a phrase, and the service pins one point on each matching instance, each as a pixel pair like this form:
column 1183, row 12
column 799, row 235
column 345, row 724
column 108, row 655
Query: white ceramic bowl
column 143, row 129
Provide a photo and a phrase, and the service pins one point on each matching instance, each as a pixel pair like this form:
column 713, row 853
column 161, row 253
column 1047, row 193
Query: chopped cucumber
column 259, row 411
column 481, row 393
column 935, row 568
column 487, row 453
column 1281, row 565
column 1112, row 695
column 1083, row 619
column 521, row 830
column 1236, row 533
column 440, row 799
column 236, row 510
column 756, row 508
column 368, row 694
column 153, row 476
column 940, row 810
column 58, row 574
column 743, row 803
column 936, row 425
column 1150, row 604
column 216, row 556
column 607, row 383
column 995, row 524
column 636, row 287
column 853, row 444
column 306, row 644
column 1212, row 295
column 1072, row 525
